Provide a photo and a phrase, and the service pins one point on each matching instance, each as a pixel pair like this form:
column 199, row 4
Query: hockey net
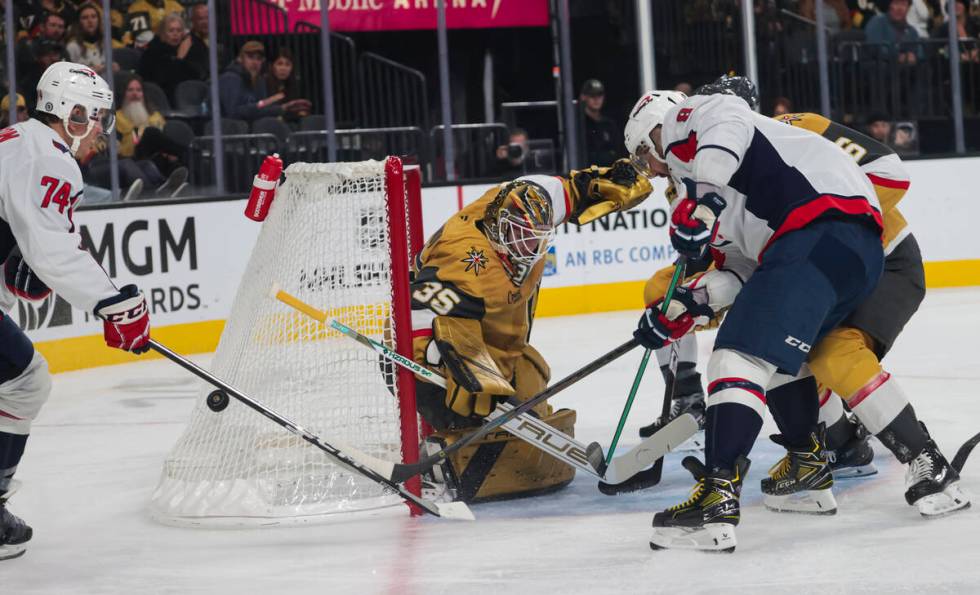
column 337, row 238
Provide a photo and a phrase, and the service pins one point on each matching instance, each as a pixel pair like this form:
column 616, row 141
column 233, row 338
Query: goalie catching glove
column 603, row 190
column 687, row 309
column 125, row 320
column 473, row 380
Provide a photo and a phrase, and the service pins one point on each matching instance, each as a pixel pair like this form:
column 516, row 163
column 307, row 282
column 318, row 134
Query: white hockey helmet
column 76, row 94
column 647, row 114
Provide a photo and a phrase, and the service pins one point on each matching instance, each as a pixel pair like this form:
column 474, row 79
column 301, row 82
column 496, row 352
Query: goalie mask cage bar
column 337, row 236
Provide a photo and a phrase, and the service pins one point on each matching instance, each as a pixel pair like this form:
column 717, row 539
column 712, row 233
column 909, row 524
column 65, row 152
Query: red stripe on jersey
column 685, row 150
column 865, row 391
column 761, row 396
column 824, row 397
column 9, row 416
column 806, row 214
column 888, row 183
column 568, row 199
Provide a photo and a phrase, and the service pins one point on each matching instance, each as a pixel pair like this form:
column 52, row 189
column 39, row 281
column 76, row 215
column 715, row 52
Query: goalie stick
column 527, row 427
column 400, row 472
column 374, row 469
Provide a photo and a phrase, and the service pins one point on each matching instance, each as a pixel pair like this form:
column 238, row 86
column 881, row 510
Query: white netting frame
column 238, row 468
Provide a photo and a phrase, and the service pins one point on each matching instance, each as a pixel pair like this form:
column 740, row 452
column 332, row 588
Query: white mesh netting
column 326, row 242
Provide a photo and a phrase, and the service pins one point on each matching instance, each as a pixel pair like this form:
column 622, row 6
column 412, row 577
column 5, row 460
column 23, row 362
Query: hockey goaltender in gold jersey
column 474, row 290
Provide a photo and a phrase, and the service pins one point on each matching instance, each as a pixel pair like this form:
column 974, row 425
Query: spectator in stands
column 5, row 110
column 879, row 127
column 148, row 15
column 603, row 142
column 836, row 15
column 50, row 29
column 242, row 87
column 139, row 127
column 926, row 15
column 510, row 157
column 66, row 10
column 167, row 60
column 781, row 105
column 282, row 84
column 85, row 39
column 893, row 29
column 199, row 21
column 862, row 11
column 966, row 29
column 45, row 52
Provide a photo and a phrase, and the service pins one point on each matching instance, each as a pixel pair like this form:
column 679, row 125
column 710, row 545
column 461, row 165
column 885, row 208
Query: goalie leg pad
column 500, row 466
column 531, row 376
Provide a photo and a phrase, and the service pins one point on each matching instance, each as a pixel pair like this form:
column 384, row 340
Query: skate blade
column 950, row 500
column 11, row 551
column 855, row 472
column 712, row 537
column 820, row 502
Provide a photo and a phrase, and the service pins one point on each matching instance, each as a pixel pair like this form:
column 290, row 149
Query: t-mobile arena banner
column 393, row 15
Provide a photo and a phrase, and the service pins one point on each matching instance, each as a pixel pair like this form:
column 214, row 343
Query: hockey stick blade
column 403, row 471
column 964, row 452
column 370, row 467
column 628, row 473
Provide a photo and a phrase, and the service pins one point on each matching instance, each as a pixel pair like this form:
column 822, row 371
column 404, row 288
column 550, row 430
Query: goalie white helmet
column 647, row 114
column 75, row 94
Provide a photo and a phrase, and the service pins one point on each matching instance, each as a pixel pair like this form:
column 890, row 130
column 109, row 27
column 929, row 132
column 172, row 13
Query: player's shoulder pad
column 806, row 120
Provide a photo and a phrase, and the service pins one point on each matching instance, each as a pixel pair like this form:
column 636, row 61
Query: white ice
column 96, row 452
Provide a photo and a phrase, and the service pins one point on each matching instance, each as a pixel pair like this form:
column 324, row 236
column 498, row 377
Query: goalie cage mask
column 519, row 221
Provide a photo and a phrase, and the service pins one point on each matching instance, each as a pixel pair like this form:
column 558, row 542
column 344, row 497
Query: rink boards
column 189, row 257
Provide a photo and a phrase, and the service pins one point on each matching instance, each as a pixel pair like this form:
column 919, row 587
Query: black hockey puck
column 217, row 401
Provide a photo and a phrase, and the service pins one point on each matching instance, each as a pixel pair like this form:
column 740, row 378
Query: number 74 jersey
column 40, row 185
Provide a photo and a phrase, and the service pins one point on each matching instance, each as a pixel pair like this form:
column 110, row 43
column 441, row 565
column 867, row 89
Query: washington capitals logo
column 475, row 261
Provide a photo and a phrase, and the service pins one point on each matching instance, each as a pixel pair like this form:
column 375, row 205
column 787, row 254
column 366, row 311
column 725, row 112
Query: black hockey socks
column 11, row 450
column 730, row 431
column 795, row 407
column 904, row 435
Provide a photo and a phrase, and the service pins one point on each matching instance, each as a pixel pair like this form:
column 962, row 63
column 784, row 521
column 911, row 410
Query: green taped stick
column 679, row 268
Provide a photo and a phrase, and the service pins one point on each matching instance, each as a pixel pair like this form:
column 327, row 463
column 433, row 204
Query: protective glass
column 524, row 242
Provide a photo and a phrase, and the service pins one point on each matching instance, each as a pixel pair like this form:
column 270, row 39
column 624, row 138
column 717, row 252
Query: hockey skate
column 688, row 398
column 933, row 485
column 801, row 481
column 707, row 520
column 439, row 482
column 14, row 532
column 855, row 458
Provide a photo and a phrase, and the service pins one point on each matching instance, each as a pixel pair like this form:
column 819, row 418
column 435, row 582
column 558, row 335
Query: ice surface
column 97, row 449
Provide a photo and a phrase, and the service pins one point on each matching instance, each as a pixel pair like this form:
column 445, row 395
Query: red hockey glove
column 657, row 329
column 694, row 224
column 125, row 320
column 21, row 280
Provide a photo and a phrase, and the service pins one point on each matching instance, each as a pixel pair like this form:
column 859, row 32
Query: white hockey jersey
column 775, row 178
column 40, row 185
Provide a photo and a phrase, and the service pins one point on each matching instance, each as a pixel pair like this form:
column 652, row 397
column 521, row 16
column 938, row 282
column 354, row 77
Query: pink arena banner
column 395, row 15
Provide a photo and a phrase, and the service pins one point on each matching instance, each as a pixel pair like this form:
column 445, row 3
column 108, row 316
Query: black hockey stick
column 403, row 471
column 347, row 458
column 964, row 452
column 651, row 477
